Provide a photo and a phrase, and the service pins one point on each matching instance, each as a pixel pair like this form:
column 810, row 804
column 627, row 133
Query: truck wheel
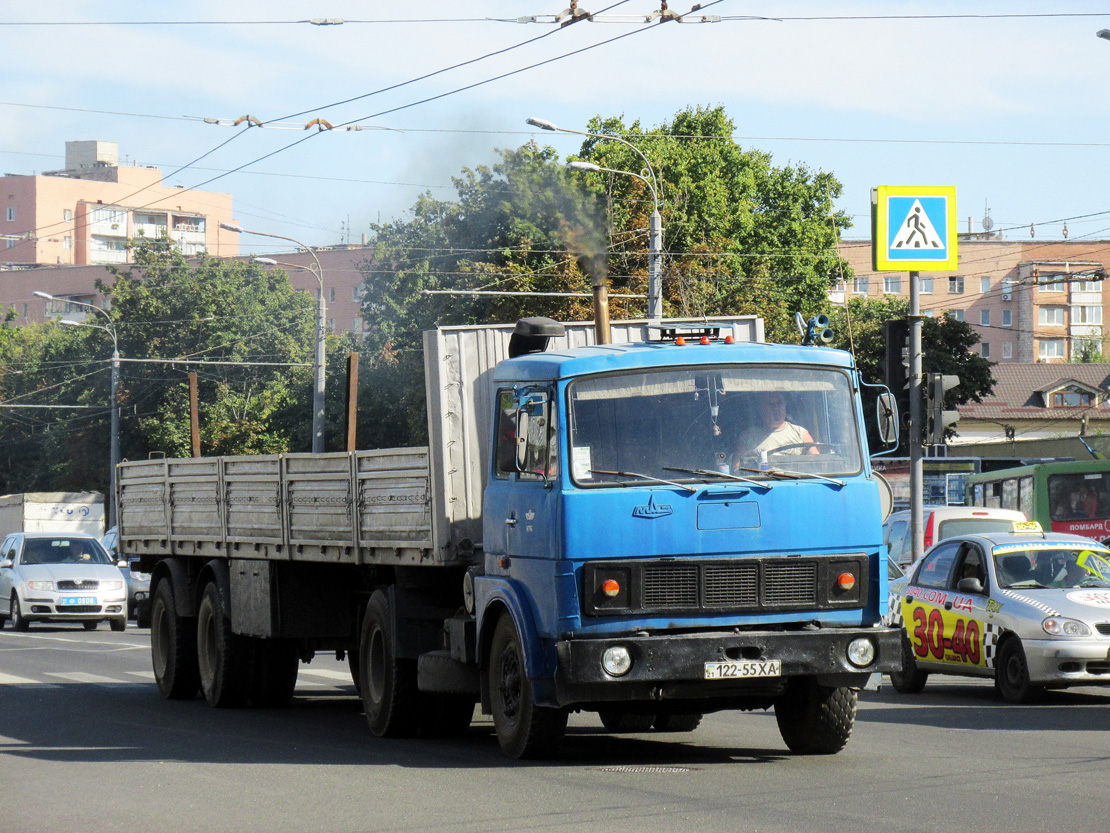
column 387, row 684
column 223, row 657
column 142, row 615
column 626, row 723
column 19, row 623
column 173, row 647
column 1011, row 674
column 814, row 719
column 911, row 679
column 275, row 672
column 119, row 623
column 524, row 729
column 677, row 722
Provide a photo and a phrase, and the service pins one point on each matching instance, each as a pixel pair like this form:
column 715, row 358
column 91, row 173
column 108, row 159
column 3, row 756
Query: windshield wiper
column 759, row 484
column 797, row 475
column 647, row 477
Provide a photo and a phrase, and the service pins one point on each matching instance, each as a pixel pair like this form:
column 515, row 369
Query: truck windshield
column 693, row 423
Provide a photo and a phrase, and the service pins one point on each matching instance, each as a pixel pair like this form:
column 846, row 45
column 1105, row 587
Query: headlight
column 1057, row 626
column 41, row 585
column 861, row 652
column 141, row 576
column 616, row 661
column 111, row 585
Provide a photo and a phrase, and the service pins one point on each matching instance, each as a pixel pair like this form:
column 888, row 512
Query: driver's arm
column 808, row 437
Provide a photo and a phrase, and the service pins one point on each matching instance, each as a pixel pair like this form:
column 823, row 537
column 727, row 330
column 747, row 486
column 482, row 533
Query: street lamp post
column 321, row 324
column 110, row 329
column 655, row 229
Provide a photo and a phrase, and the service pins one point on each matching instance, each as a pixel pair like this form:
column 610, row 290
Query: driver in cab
column 772, row 434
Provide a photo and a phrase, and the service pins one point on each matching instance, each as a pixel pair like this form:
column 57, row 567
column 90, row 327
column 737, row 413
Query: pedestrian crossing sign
column 913, row 228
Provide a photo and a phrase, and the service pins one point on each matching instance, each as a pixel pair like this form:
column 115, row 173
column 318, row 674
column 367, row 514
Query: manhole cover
column 651, row 769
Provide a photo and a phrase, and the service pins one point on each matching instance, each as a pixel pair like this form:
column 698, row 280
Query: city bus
column 1071, row 497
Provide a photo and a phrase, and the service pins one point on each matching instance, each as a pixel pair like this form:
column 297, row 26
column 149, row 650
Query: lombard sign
column 913, row 228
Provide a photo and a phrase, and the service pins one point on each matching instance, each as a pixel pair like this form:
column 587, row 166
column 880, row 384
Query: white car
column 60, row 577
column 941, row 522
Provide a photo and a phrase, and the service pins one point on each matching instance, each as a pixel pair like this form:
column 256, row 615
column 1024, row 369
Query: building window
column 67, row 215
column 331, row 295
column 356, row 325
column 1071, row 397
column 926, row 286
column 1086, row 286
column 861, row 286
column 67, row 242
column 11, row 215
column 985, row 317
column 985, row 350
column 956, row 314
column 26, row 311
column 1051, row 348
column 984, row 285
column 1007, row 349
column 11, row 242
column 955, row 286
column 892, row 284
column 1051, row 316
column 929, row 314
column 1052, row 283
column 1007, row 318
column 1086, row 315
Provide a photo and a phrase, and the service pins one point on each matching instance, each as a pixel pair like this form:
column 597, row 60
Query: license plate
column 76, row 600
column 743, row 669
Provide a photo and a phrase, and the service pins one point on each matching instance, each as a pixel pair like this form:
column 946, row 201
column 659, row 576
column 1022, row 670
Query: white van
column 943, row 522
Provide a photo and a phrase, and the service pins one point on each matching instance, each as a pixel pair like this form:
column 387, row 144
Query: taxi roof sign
column 913, row 228
column 1026, row 526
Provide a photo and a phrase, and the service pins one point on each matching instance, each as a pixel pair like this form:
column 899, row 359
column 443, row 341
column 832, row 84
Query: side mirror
column 886, row 415
column 124, row 564
column 522, row 418
column 5, row 563
column 970, row 585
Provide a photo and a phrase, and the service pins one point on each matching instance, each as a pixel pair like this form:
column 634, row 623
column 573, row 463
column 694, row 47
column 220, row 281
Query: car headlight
column 41, row 585
column 111, row 585
column 141, row 576
column 1058, row 626
column 617, row 661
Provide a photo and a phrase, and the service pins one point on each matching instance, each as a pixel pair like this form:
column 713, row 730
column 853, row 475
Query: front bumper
column 672, row 667
column 47, row 608
column 1062, row 662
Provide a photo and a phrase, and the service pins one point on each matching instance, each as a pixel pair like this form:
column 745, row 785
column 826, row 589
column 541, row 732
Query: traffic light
column 896, row 363
column 937, row 417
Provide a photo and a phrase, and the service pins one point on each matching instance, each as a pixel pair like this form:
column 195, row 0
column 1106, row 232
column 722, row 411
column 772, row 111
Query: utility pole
column 917, row 467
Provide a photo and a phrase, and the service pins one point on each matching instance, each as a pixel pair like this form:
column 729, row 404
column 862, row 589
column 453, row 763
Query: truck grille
column 739, row 585
column 71, row 584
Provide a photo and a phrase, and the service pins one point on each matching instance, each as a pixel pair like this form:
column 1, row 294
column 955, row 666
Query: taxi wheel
column 1011, row 675
column 911, row 679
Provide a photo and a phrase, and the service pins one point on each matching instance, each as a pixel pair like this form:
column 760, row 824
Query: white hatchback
column 60, row 577
column 941, row 522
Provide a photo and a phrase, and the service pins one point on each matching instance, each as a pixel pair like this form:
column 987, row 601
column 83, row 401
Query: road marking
column 13, row 635
column 146, row 675
column 12, row 679
column 343, row 676
column 82, row 677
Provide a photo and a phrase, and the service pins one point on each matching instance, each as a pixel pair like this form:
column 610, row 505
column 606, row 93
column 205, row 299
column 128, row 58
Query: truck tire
column 678, row 722
column 387, row 684
column 223, row 657
column 815, row 719
column 626, row 723
column 276, row 662
column 19, row 623
column 1011, row 674
column 173, row 647
column 911, row 679
column 524, row 729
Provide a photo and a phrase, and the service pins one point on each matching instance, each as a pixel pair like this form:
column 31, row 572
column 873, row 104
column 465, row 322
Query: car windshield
column 697, row 424
column 64, row 551
column 1056, row 568
column 955, row 527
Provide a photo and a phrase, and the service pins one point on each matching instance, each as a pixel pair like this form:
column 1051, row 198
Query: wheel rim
column 375, row 665
column 206, row 645
column 1014, row 671
column 159, row 639
column 509, row 682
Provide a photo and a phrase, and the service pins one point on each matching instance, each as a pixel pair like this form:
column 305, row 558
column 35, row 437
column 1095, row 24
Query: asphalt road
column 86, row 744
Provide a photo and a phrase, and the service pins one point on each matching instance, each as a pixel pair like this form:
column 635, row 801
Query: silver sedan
column 1030, row 610
column 51, row 577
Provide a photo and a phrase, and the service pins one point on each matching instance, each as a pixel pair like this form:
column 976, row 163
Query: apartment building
column 85, row 214
column 1029, row 300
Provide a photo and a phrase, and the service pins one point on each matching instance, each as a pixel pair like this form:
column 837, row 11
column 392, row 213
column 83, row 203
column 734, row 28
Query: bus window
column 1025, row 496
column 1010, row 493
column 977, row 495
column 994, row 495
column 1078, row 496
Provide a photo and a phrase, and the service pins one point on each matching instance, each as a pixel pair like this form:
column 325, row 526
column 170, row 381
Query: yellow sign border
column 880, row 228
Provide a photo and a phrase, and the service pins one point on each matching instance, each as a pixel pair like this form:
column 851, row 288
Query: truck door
column 520, row 501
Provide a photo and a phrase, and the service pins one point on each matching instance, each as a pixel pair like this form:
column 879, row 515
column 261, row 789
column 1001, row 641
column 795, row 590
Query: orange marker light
column 846, row 581
column 729, row 340
column 610, row 587
column 680, row 341
column 705, row 339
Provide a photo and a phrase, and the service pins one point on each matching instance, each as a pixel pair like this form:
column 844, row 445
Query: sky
column 1006, row 101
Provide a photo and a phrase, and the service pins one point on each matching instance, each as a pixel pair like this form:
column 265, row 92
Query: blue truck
column 593, row 528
